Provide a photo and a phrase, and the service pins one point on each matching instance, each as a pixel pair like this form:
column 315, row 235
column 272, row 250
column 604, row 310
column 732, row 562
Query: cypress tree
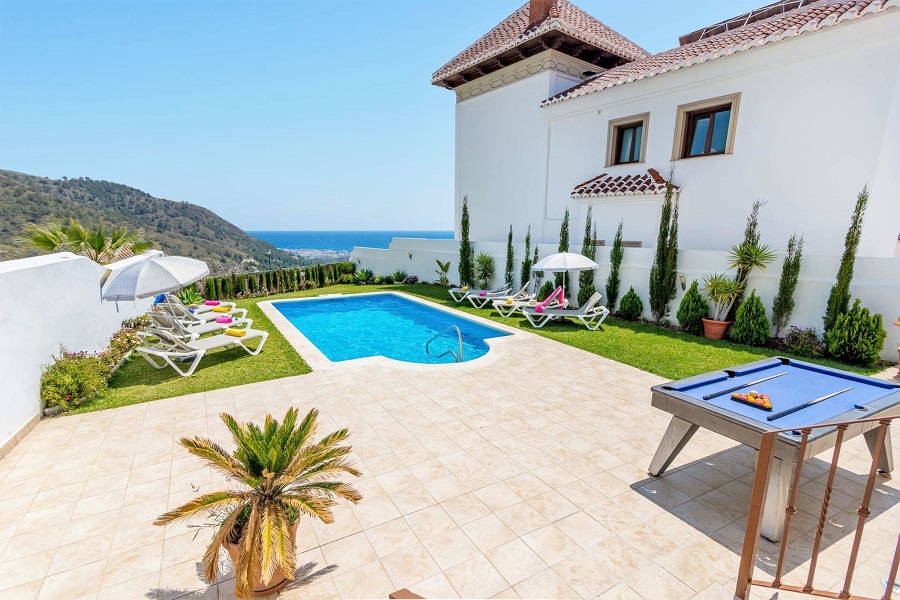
column 615, row 261
column 692, row 310
column 751, row 238
column 750, row 323
column 665, row 264
column 589, row 250
column 526, row 264
column 466, row 253
column 510, row 274
column 783, row 304
column 562, row 279
column 839, row 299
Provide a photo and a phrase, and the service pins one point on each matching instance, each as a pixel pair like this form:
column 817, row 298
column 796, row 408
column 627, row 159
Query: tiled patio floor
column 523, row 475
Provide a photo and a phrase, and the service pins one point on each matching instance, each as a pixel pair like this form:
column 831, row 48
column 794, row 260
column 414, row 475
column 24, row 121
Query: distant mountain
column 176, row 227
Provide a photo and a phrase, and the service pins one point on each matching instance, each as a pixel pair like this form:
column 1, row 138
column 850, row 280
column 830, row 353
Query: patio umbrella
column 564, row 262
column 156, row 275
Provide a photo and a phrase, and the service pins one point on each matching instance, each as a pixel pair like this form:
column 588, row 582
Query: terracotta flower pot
column 278, row 581
column 715, row 330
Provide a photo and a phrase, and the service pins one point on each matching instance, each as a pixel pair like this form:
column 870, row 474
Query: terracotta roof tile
column 643, row 184
column 811, row 17
column 514, row 30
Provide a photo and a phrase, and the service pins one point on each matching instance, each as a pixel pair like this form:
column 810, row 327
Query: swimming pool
column 360, row 326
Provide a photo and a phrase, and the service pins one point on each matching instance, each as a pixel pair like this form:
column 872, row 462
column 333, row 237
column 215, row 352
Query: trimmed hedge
column 279, row 281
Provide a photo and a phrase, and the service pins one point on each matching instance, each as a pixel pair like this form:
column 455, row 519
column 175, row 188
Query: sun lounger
column 479, row 301
column 508, row 309
column 161, row 345
column 201, row 308
column 166, row 322
column 591, row 314
column 183, row 314
column 459, row 294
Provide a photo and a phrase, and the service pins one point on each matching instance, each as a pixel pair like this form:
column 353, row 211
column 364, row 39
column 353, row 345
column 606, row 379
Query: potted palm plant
column 722, row 291
column 281, row 474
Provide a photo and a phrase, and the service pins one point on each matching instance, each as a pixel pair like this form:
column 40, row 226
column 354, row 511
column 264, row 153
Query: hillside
column 176, row 227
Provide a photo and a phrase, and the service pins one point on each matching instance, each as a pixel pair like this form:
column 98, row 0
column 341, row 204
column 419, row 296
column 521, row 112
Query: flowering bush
column 121, row 343
column 410, row 279
column 803, row 342
column 73, row 378
column 140, row 323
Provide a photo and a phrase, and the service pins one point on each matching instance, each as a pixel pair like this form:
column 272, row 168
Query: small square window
column 706, row 128
column 627, row 140
column 707, row 131
column 628, row 143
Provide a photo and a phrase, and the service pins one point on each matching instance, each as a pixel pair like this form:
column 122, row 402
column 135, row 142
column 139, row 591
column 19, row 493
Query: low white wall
column 876, row 281
column 46, row 302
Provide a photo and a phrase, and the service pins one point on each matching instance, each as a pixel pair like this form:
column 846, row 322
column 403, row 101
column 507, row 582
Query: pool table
column 698, row 402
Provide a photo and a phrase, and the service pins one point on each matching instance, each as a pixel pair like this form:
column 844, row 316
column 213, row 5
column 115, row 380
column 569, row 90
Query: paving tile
column 410, row 565
column 488, row 532
column 546, row 584
column 586, row 574
column 367, row 581
column 476, row 578
column 515, row 561
column 451, row 548
column 551, row 544
column 78, row 582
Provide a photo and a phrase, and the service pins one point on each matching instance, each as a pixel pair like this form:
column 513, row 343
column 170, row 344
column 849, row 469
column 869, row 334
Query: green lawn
column 667, row 353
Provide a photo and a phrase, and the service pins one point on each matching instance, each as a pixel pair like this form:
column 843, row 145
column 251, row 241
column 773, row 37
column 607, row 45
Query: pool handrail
column 458, row 358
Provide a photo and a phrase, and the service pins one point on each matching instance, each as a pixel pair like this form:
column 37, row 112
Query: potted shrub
column 281, row 474
column 722, row 291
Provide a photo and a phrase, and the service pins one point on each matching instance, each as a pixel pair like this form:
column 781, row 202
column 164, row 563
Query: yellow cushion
column 235, row 332
column 509, row 300
column 464, row 288
column 221, row 309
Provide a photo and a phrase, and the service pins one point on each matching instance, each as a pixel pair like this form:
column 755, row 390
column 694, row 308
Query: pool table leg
column 776, row 500
column 678, row 434
column 886, row 460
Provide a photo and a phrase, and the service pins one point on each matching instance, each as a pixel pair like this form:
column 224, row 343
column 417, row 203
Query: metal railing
column 457, row 357
column 757, row 501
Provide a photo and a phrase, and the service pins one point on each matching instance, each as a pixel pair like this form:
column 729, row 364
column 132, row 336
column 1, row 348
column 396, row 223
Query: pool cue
column 737, row 387
column 806, row 404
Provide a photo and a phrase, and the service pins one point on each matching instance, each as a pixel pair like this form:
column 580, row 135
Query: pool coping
column 317, row 360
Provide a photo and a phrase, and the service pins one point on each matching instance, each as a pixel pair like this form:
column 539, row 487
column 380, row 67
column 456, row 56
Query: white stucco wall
column 501, row 152
column 47, row 302
column 876, row 280
column 819, row 118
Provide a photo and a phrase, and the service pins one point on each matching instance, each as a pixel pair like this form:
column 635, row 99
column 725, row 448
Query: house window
column 707, row 131
column 706, row 128
column 627, row 140
column 628, row 143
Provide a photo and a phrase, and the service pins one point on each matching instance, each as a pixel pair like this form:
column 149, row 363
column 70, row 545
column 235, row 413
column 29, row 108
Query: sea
column 337, row 245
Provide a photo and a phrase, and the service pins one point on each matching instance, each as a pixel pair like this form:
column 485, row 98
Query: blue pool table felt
column 802, row 383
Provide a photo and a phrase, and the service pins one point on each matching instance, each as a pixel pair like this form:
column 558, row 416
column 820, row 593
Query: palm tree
column 282, row 475
column 98, row 243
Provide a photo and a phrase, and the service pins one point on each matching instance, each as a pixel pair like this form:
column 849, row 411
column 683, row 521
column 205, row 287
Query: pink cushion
column 539, row 308
column 483, row 294
column 211, row 303
column 223, row 319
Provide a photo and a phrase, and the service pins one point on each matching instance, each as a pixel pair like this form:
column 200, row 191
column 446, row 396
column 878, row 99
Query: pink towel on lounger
column 224, row 319
column 211, row 303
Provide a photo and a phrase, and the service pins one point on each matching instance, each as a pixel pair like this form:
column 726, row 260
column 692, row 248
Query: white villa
column 796, row 103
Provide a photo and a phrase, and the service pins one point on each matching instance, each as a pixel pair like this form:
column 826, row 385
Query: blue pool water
column 348, row 327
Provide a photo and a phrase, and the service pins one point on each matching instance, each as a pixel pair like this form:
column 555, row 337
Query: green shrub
column 190, row 295
column 346, row 278
column 546, row 290
column 839, row 298
column 399, row 276
column 665, row 263
column 139, row 323
column 803, row 342
column 856, row 336
column 692, row 310
column 73, row 378
column 751, row 326
column 585, row 292
column 121, row 343
column 631, row 307
column 466, row 252
column 377, row 280
column 783, row 303
column 363, row 276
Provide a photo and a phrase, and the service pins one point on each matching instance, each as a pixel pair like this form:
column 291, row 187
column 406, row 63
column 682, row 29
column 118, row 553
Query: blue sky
column 276, row 115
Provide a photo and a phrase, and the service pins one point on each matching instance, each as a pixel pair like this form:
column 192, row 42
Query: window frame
column 685, row 122
column 614, row 135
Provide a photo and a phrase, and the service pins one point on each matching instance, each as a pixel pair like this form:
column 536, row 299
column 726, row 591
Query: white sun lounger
column 161, row 345
column 591, row 315
column 459, row 294
column 166, row 322
column 183, row 313
column 201, row 308
column 479, row 301
column 508, row 309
